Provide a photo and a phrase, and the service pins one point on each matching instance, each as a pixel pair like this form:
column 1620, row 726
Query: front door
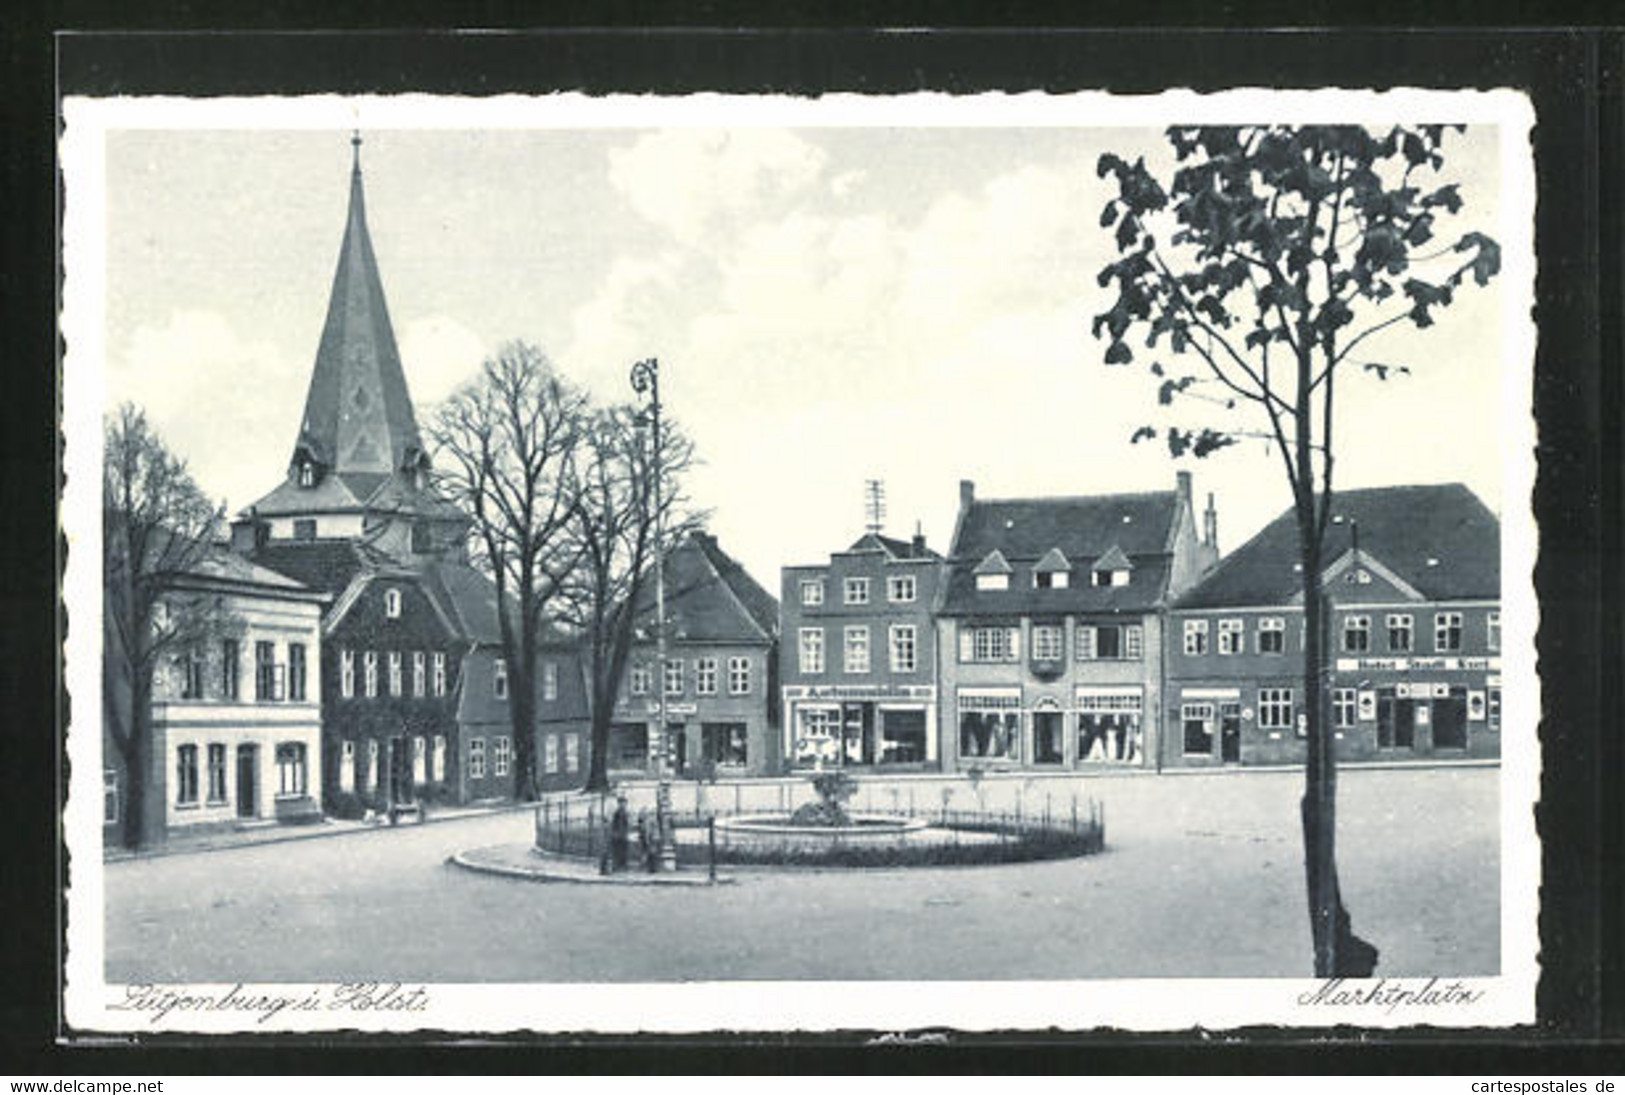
column 248, row 780
column 1230, row 733
column 677, row 742
column 1450, row 721
column 1047, row 729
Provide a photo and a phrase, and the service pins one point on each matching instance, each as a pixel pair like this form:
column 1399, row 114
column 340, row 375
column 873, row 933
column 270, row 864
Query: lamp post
column 646, row 382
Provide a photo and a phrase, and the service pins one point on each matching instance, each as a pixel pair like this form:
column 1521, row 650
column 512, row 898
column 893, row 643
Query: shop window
column 186, row 775
column 1195, row 638
column 110, row 803
column 723, row 743
column 817, row 730
column 856, row 650
column 1446, row 631
column 674, row 676
column 395, row 674
column 1356, row 634
column 990, row 729
column 550, row 681
column 1343, row 708
column 228, row 669
column 439, row 673
column 628, row 745
column 856, row 591
column 1109, row 730
column 296, row 672
column 902, row 737
column 1231, row 637
column 476, row 758
column 1198, row 722
column 1047, row 643
column 1399, row 633
column 989, row 644
column 1492, row 625
column 739, row 676
column 1271, row 635
column 812, row 591
column 369, row 666
column 901, row 589
column 1275, row 708
column 217, row 773
column 499, row 678
column 290, row 768
column 811, row 650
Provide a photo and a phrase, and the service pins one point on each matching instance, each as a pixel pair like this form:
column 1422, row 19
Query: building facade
column 859, row 681
column 720, row 674
column 1049, row 626
column 235, row 717
column 1413, row 629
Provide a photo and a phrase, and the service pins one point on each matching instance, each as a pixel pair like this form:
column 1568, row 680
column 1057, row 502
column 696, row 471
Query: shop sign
column 1367, row 704
column 1401, row 665
column 860, row 691
column 1475, row 705
column 675, row 709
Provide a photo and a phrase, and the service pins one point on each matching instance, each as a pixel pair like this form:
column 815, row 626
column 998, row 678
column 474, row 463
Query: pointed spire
column 358, row 413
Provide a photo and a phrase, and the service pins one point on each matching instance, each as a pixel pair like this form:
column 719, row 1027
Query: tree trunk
column 136, row 749
column 598, row 769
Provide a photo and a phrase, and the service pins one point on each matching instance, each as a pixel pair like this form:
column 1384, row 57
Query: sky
column 829, row 305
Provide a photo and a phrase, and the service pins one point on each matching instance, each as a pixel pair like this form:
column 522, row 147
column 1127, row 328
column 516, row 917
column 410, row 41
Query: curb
column 539, row 873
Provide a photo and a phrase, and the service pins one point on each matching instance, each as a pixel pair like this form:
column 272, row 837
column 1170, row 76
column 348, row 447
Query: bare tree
column 1285, row 249
column 614, row 530
column 158, row 529
column 512, row 437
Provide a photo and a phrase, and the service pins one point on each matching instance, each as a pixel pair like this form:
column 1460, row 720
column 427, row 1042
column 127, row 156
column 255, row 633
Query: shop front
column 1108, row 720
column 1419, row 706
column 862, row 727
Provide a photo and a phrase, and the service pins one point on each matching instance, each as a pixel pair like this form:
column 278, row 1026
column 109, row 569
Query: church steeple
column 358, row 416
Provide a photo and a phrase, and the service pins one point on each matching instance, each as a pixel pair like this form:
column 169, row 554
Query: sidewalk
column 524, row 861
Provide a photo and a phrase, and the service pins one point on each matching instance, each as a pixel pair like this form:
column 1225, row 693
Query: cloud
column 619, row 324
column 438, row 354
column 697, row 182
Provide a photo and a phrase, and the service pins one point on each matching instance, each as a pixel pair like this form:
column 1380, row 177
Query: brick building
column 720, row 675
column 1049, row 625
column 859, row 675
column 1413, row 585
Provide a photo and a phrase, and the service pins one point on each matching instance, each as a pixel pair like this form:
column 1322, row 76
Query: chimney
column 1185, row 487
column 1210, row 524
column 248, row 534
column 967, row 493
column 919, row 539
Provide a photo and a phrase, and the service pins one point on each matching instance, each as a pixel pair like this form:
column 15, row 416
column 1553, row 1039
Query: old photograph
column 752, row 563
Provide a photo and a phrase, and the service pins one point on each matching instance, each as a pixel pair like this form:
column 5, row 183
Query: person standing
column 620, row 826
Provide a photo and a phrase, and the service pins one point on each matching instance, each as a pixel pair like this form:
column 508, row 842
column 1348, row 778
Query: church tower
column 358, row 470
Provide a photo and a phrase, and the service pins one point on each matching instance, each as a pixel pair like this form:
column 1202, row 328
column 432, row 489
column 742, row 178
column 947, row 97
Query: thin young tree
column 1270, row 257
column 614, row 530
column 507, row 441
column 158, row 529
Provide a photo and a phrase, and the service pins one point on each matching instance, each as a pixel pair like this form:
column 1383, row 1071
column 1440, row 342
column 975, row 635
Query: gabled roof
column 710, row 597
column 992, row 563
column 1114, row 559
column 891, row 547
column 467, row 597
column 1053, row 562
column 1402, row 528
column 328, row 565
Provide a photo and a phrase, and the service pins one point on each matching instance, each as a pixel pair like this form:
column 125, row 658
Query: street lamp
column 645, row 379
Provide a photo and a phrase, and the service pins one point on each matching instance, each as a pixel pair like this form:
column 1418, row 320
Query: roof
column 358, row 413
column 892, row 547
column 711, row 597
column 1114, row 559
column 1400, row 527
column 1025, row 532
column 468, row 598
column 328, row 565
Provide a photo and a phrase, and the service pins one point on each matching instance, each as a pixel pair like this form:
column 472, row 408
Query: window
column 346, row 673
column 1495, row 709
column 986, row 582
column 904, row 649
column 191, row 665
column 990, row 727
column 738, row 676
column 439, row 673
column 901, row 588
column 217, row 773
column 812, row 591
column 1447, row 631
column 499, row 678
column 1274, row 708
column 307, row 474
column 705, row 676
column 369, row 662
column 1111, row 577
column 857, row 650
column 1133, row 641
column 856, row 591
column 723, row 743
column 1399, row 632
column 640, row 679
column 109, row 796
column 1047, row 643
column 304, row 528
column 1271, row 635
column 264, row 671
column 1492, row 636
column 347, row 766
column 420, row 760
column 290, row 768
column 1195, row 637
column 392, row 603
column 228, row 669
column 810, row 649
column 394, row 672
column 572, row 752
column 296, row 671
column 476, row 758
column 417, row 674
column 674, row 676
column 1110, row 642
column 500, row 753
column 1231, row 637
column 1198, row 723
column 550, row 753
column 1050, row 579
column 550, row 681
column 1356, row 634
column 989, row 644
column 437, row 759
column 186, row 775
column 1343, row 708
column 371, row 780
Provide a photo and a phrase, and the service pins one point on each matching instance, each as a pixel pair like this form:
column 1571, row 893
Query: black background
column 1573, row 77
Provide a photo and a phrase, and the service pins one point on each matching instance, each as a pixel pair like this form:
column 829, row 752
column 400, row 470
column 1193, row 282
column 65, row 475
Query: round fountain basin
column 778, row 828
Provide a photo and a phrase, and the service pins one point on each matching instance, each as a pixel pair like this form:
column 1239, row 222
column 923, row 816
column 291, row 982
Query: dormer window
column 992, row 581
column 307, row 474
column 993, row 572
column 392, row 603
column 1052, row 571
column 1111, row 569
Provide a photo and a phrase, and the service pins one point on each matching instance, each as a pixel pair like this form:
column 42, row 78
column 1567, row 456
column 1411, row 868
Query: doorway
column 1230, row 733
column 677, row 742
column 1047, row 742
column 248, row 781
column 1450, row 720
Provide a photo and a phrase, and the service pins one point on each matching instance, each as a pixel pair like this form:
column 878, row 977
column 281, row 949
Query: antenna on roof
column 874, row 503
